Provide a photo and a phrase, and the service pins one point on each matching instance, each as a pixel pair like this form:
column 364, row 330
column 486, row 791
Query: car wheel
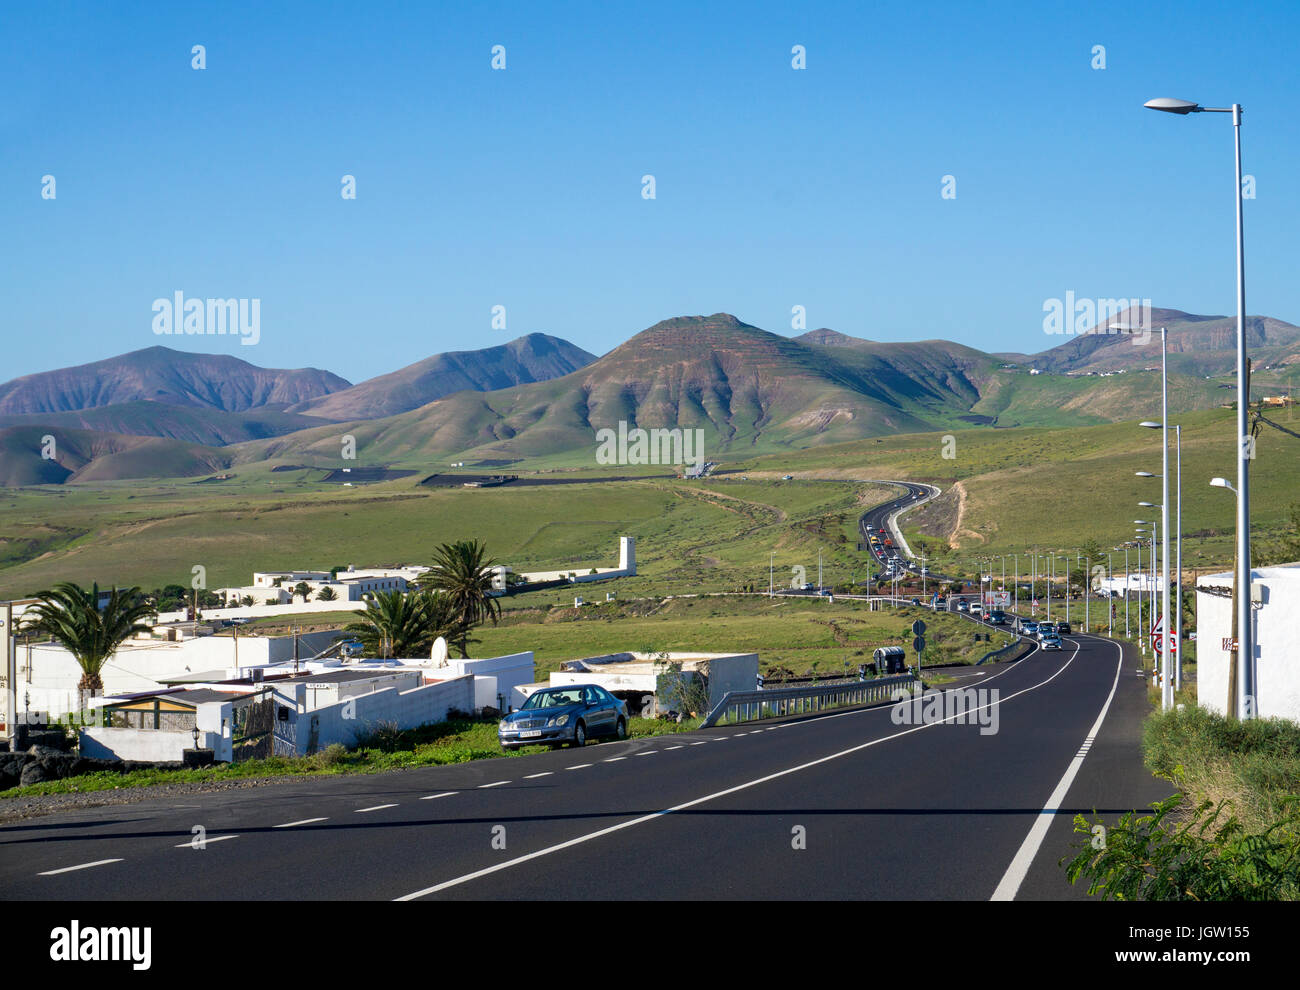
column 579, row 735
column 620, row 730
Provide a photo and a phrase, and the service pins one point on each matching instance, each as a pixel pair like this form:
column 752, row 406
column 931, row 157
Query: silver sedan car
column 569, row 714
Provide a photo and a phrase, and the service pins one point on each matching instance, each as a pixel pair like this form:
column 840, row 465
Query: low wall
column 344, row 721
column 145, row 745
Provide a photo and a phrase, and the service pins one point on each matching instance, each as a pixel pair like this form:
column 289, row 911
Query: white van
column 976, row 609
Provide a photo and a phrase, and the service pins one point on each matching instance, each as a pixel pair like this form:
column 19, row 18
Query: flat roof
column 343, row 676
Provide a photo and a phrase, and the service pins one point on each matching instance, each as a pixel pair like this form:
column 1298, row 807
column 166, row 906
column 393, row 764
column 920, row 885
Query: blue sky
column 522, row 188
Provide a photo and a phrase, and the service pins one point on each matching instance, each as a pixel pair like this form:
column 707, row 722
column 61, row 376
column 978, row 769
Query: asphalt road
column 887, row 811
column 876, row 519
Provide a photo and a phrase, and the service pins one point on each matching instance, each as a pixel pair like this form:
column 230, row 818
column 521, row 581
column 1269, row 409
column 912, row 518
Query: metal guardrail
column 749, row 706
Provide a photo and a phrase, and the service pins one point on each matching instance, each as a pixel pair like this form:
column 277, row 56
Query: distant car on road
column 963, row 605
column 1051, row 641
column 1063, row 629
column 1028, row 627
column 570, row 714
column 997, row 617
column 976, row 608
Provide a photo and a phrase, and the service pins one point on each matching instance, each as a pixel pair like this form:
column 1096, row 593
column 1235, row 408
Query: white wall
column 153, row 745
column 408, row 709
column 139, row 664
column 497, row 675
column 1276, row 636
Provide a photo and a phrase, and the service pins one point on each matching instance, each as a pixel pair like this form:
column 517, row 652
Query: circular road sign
column 918, row 628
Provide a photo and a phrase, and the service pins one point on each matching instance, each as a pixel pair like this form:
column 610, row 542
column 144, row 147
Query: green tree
column 326, row 594
column 462, row 572
column 302, row 588
column 70, row 615
column 394, row 624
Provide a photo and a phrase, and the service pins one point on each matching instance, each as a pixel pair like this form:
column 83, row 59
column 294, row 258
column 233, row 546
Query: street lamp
column 1237, row 702
column 1183, row 107
column 1167, row 688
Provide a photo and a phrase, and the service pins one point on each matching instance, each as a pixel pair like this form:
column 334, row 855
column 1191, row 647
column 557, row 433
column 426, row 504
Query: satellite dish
column 439, row 652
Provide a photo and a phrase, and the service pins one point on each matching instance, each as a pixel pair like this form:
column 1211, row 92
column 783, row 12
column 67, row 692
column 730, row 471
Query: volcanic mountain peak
column 826, row 337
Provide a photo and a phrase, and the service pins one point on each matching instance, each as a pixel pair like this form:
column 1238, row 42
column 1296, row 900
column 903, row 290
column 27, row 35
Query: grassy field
column 801, row 636
column 714, row 536
column 1005, row 491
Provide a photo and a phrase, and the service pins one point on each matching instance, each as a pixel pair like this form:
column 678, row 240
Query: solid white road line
column 498, row 783
column 83, row 866
column 1019, row 868
column 204, row 842
column 378, row 807
column 633, row 822
column 434, row 797
column 305, row 821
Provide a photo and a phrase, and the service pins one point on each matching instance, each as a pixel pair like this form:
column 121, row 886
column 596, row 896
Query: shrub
column 331, row 755
column 1208, row 858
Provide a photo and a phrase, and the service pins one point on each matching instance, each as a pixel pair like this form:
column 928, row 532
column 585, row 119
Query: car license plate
column 530, row 733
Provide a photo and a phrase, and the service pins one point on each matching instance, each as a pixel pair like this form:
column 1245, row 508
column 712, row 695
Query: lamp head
column 1170, row 105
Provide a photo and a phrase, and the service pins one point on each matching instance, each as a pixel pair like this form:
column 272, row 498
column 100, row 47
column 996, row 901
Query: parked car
column 570, row 714
column 1050, row 641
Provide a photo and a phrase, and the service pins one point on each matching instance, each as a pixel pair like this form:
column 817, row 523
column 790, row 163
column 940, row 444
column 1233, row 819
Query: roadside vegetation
column 1232, row 830
column 380, row 748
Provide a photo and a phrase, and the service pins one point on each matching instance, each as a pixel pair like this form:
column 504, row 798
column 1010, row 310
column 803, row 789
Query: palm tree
column 462, row 572
column 70, row 614
column 394, row 624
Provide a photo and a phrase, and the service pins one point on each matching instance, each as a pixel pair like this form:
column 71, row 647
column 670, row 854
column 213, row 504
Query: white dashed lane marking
column 305, row 821
column 197, row 843
column 378, row 807
column 434, row 797
column 495, row 783
column 82, row 866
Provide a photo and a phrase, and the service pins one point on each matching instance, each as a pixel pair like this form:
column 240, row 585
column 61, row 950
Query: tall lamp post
column 1178, row 566
column 1245, row 638
column 1237, row 702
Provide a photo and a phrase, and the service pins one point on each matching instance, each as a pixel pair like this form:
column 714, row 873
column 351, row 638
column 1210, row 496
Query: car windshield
column 553, row 698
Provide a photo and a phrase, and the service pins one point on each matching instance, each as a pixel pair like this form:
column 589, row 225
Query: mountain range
column 164, row 413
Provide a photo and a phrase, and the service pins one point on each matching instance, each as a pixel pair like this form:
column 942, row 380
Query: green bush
column 1209, row 857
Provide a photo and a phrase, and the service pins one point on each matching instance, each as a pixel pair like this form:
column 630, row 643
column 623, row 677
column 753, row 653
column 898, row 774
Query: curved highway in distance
column 880, row 522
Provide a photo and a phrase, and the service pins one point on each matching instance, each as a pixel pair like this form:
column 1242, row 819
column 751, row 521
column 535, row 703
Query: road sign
column 918, row 628
column 1158, row 634
column 918, row 644
column 1229, row 645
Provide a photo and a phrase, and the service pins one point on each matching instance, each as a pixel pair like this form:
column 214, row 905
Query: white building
column 48, row 673
column 626, row 567
column 1275, row 598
